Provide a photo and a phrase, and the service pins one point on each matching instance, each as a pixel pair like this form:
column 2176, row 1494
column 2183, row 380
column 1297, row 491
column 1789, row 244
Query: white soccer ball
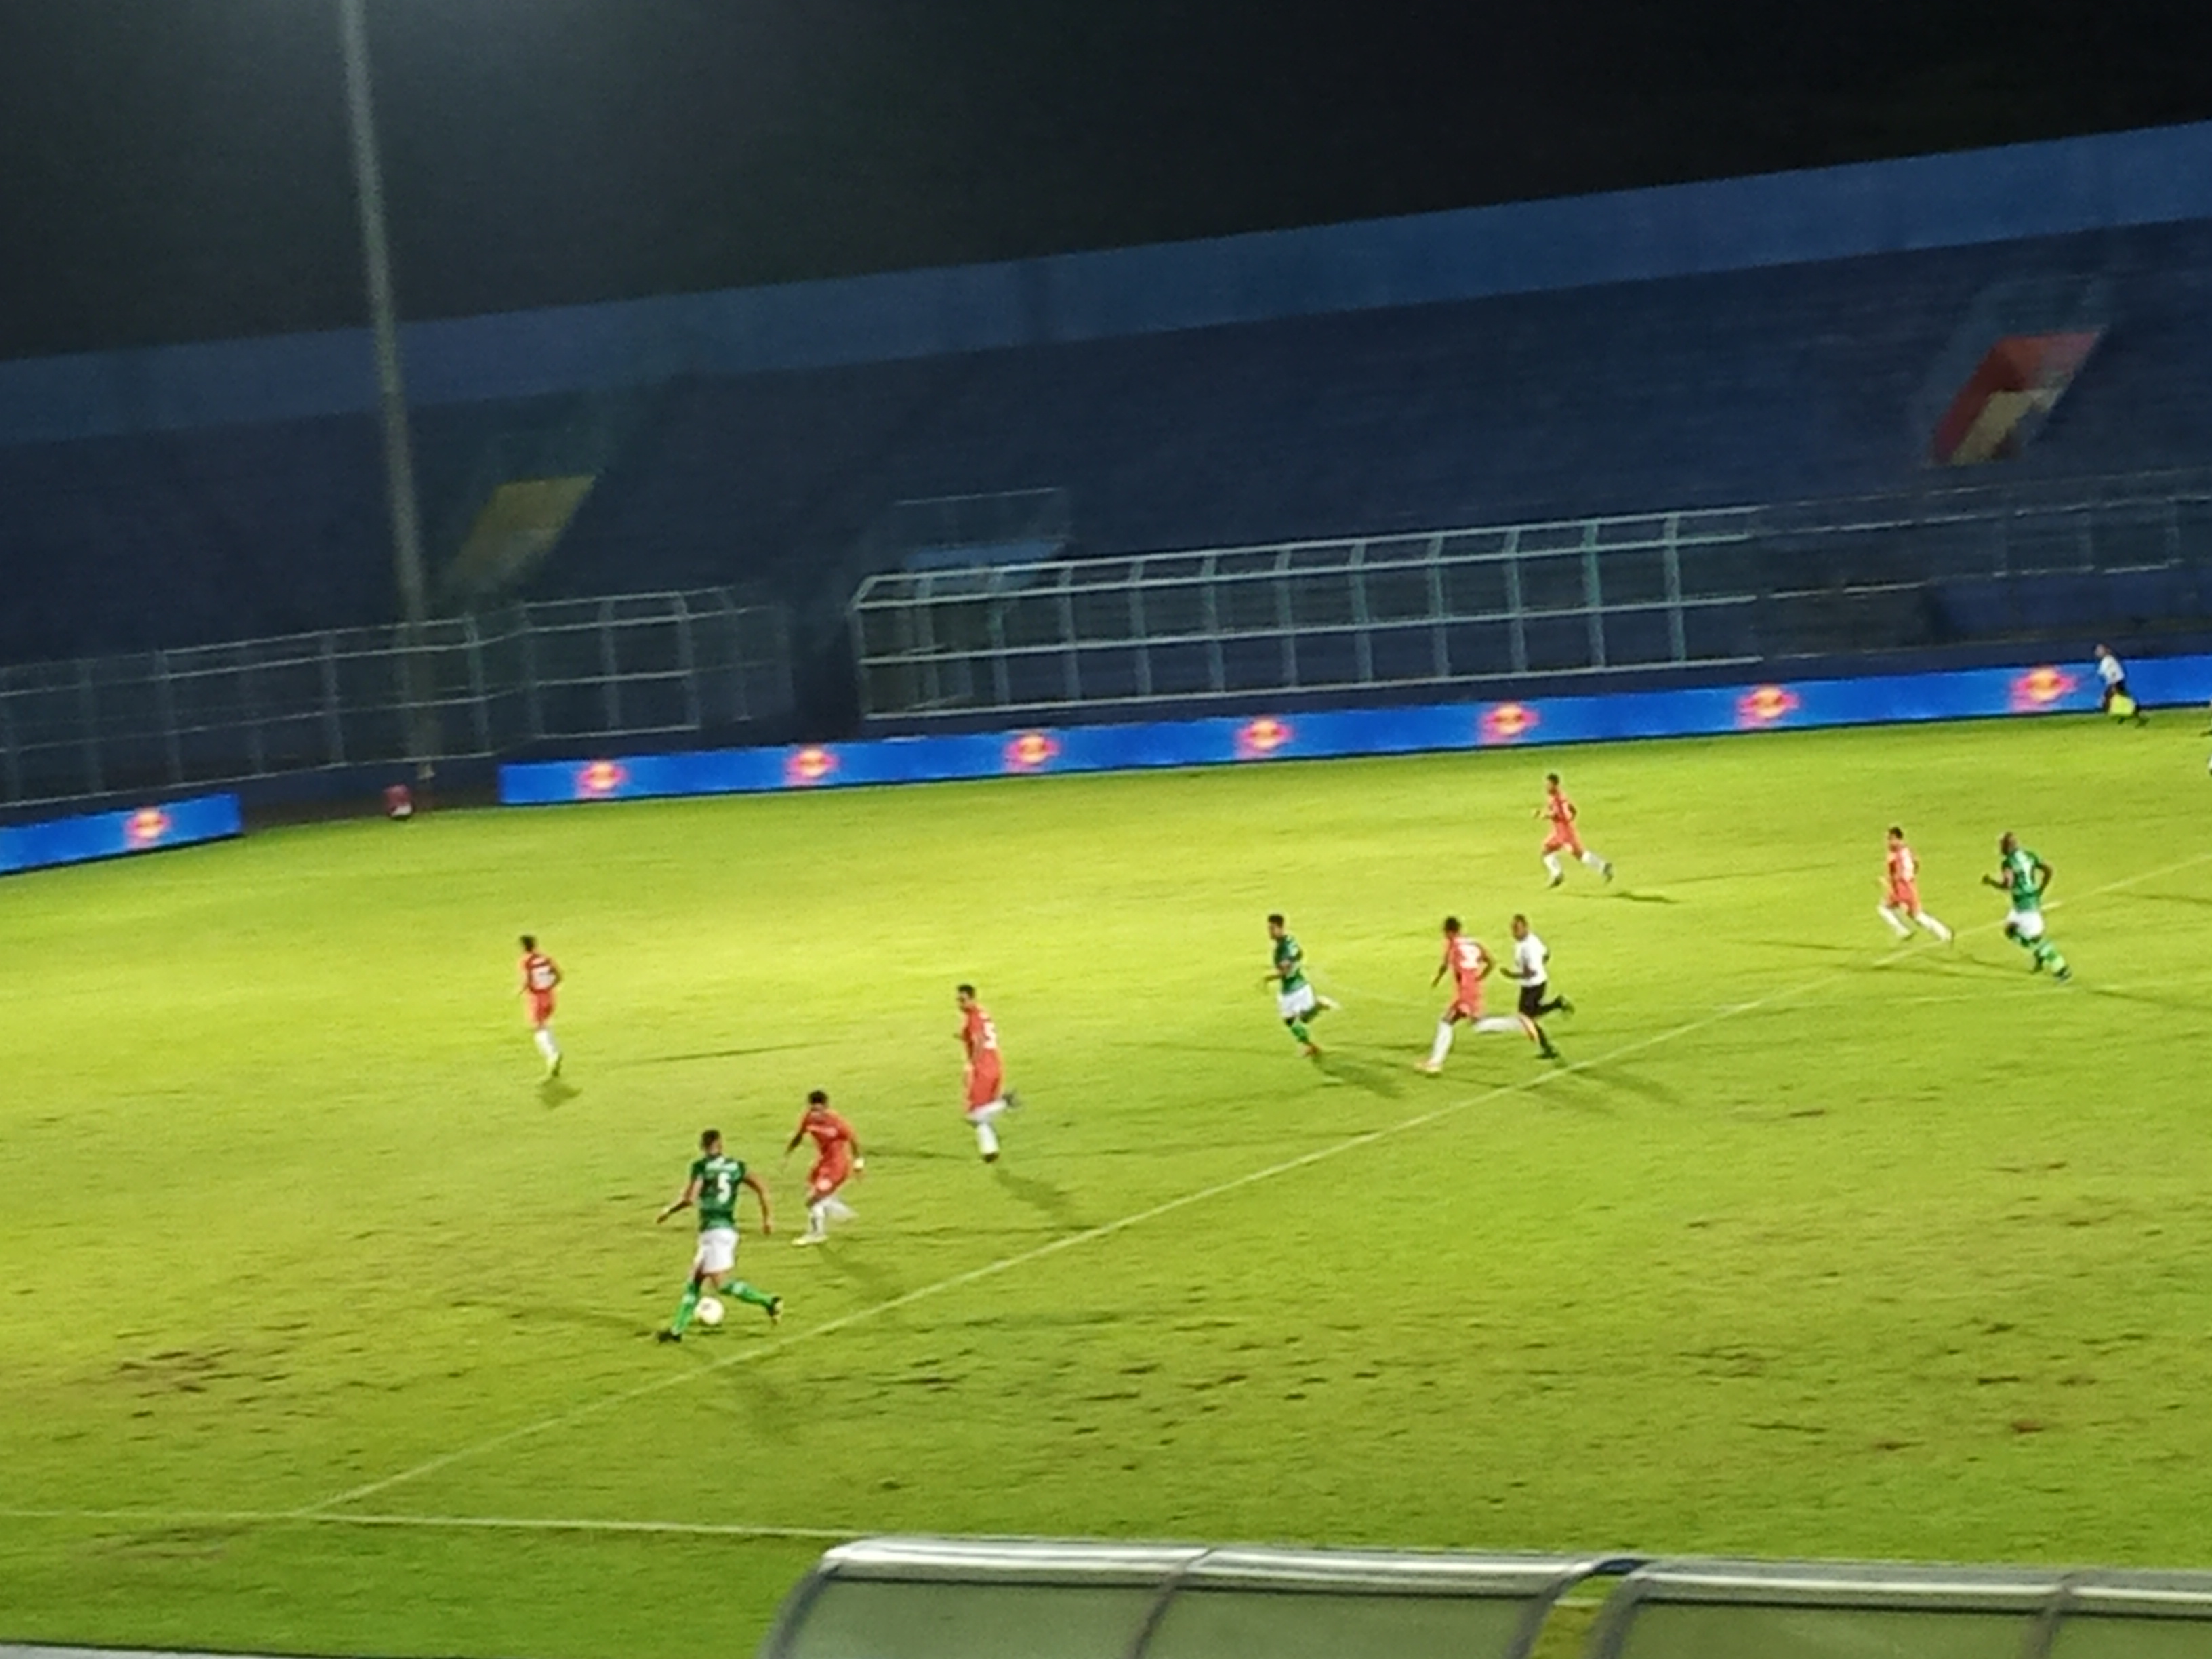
column 710, row 1311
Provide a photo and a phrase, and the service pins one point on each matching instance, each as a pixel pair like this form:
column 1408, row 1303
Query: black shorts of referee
column 1532, row 1001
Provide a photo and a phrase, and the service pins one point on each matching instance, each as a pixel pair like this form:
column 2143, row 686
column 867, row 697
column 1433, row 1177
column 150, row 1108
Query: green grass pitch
column 325, row 1327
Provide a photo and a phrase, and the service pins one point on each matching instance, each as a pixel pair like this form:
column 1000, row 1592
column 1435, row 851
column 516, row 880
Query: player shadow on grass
column 1375, row 1079
column 1634, row 896
column 556, row 1091
column 1613, row 1079
column 1043, row 1196
column 720, row 1053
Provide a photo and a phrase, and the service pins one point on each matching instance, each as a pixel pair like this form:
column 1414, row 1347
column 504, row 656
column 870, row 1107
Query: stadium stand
column 1768, row 373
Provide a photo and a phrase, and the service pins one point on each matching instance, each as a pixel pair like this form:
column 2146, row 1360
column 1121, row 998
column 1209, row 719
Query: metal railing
column 1477, row 608
column 942, row 1598
column 640, row 666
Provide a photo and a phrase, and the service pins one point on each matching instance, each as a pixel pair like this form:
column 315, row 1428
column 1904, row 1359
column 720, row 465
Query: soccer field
column 326, row 1327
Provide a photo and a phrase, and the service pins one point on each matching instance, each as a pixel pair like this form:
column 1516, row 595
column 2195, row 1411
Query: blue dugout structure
column 91, row 836
column 1700, row 711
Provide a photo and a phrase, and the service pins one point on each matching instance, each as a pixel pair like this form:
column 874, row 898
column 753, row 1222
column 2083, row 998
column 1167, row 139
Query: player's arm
column 1998, row 880
column 683, row 1201
column 760, row 1192
column 1483, row 961
column 860, row 1158
column 1436, row 978
column 2043, row 874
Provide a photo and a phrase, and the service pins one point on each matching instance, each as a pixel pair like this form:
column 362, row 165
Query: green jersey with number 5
column 718, row 1179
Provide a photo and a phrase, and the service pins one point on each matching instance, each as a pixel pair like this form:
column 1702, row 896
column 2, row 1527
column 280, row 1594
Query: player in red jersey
column 541, row 974
column 1901, row 892
column 836, row 1159
column 985, row 1073
column 1563, row 835
column 1468, row 964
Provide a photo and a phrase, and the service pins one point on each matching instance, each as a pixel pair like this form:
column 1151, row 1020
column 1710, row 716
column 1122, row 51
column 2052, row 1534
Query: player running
column 1564, row 836
column 2115, row 699
column 1296, row 1000
column 1901, row 892
column 1468, row 964
column 985, row 1073
column 1531, row 967
column 837, row 1158
column 2026, row 878
column 713, row 1185
column 541, row 976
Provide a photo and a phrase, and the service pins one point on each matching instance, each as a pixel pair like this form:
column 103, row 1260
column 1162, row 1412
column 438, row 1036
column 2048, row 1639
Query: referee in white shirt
column 2116, row 688
column 1532, row 968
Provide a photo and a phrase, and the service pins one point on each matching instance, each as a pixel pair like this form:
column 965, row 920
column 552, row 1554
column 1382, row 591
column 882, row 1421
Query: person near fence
column 2115, row 699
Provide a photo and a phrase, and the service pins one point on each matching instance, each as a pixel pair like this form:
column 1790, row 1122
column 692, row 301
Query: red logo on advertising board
column 1028, row 751
column 1257, row 740
column 810, row 765
column 1507, row 722
column 146, row 826
column 600, row 779
column 1763, row 705
column 2039, row 688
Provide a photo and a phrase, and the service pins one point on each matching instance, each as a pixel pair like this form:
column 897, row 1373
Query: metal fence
column 1504, row 605
column 944, row 1598
column 637, row 668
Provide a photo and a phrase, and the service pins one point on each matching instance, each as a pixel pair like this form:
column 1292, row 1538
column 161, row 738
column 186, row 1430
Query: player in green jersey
column 713, row 1185
column 2024, row 877
column 1296, row 1000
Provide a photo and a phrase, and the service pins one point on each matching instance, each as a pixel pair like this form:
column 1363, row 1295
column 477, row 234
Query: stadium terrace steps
column 1786, row 383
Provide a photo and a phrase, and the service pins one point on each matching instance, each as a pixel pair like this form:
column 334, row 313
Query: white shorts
column 1291, row 1004
column 718, row 1251
column 2024, row 924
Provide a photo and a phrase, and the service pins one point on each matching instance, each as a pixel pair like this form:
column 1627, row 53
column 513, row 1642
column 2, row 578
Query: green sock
column 744, row 1292
column 685, row 1309
column 1298, row 1031
column 2051, row 954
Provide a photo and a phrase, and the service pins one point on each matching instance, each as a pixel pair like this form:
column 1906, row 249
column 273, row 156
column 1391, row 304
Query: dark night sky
column 176, row 169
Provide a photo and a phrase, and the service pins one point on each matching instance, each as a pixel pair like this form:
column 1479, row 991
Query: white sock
column 987, row 1137
column 543, row 1038
column 1895, row 926
column 817, row 1219
column 1441, row 1046
column 1497, row 1023
column 1932, row 925
column 839, row 1210
column 1592, row 860
column 1552, row 863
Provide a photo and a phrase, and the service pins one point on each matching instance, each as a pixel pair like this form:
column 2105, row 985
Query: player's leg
column 1298, row 1009
column 716, row 1255
column 1597, row 861
column 982, row 1116
column 1897, row 926
column 754, row 1296
column 1932, row 925
column 1532, row 1008
column 1442, row 1046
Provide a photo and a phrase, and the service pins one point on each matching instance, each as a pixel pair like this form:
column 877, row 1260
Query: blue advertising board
column 91, row 836
column 1874, row 699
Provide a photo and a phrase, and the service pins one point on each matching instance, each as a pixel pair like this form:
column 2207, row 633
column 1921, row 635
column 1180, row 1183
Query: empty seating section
column 1778, row 384
column 948, row 1599
column 1492, row 609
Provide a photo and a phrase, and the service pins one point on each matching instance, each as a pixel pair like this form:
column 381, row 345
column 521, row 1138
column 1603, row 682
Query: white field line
column 324, row 1507
column 450, row 1522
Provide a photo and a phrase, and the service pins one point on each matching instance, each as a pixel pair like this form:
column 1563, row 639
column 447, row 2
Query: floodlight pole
column 391, row 386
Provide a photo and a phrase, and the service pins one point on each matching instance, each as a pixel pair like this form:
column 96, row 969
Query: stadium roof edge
column 2056, row 187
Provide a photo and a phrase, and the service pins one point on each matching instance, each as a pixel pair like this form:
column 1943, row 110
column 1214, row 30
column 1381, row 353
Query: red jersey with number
column 539, row 976
column 1903, row 876
column 1561, row 813
column 1466, row 958
column 978, row 1034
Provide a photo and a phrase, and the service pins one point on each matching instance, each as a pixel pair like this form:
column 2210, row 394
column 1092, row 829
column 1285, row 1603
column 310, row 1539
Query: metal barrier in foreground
column 927, row 1598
